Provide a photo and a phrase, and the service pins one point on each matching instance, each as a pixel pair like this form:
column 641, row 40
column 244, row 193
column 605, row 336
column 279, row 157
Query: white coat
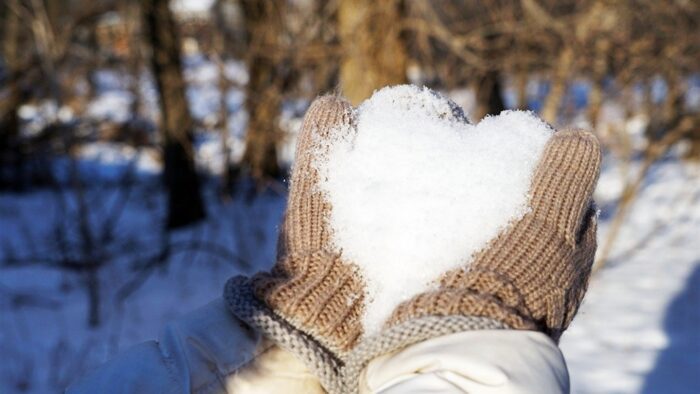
column 210, row 351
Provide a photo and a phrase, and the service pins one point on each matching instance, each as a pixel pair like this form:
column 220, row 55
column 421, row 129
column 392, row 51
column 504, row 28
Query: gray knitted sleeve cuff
column 336, row 374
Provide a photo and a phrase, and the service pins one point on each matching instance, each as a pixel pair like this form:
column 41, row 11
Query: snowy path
column 639, row 327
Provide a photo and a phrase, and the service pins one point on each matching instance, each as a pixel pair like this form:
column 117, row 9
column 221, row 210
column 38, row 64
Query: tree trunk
column 600, row 71
column 559, row 80
column 11, row 162
column 132, row 29
column 693, row 152
column 224, row 85
column 488, row 95
column 595, row 101
column 374, row 54
column 263, row 92
column 521, row 88
column 488, row 88
column 185, row 204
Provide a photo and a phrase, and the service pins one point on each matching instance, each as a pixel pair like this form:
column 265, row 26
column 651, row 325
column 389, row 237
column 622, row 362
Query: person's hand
column 534, row 275
column 311, row 301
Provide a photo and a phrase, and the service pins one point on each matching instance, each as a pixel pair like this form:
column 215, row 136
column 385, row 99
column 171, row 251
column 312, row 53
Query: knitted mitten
column 310, row 302
column 534, row 275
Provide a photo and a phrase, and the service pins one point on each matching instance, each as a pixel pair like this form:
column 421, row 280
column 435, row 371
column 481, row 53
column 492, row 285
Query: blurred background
column 145, row 147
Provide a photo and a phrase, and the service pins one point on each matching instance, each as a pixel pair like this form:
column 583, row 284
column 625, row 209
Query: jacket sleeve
column 489, row 361
column 195, row 354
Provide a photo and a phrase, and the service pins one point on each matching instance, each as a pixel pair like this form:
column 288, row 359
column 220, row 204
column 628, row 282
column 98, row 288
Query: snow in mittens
column 418, row 190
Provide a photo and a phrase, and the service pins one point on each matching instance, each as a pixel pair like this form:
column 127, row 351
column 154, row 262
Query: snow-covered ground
column 45, row 339
column 44, row 333
column 637, row 331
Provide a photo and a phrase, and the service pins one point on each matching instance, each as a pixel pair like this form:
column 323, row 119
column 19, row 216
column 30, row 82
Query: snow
column 113, row 154
column 418, row 190
column 637, row 330
column 112, row 105
column 44, row 336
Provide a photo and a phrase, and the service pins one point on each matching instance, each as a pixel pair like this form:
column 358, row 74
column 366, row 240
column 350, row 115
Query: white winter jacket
column 210, row 351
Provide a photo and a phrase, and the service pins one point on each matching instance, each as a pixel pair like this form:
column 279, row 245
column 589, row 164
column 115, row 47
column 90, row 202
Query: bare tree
column 131, row 11
column 461, row 43
column 38, row 42
column 9, row 117
column 218, row 56
column 185, row 204
column 488, row 86
column 263, row 19
column 374, row 54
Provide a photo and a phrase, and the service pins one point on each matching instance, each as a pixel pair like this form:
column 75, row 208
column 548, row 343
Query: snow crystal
column 419, row 190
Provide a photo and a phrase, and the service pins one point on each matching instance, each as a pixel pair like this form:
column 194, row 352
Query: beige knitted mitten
column 534, row 275
column 311, row 301
column 311, row 286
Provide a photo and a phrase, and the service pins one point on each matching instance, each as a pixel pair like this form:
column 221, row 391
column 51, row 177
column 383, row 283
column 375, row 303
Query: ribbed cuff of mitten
column 242, row 302
column 317, row 293
column 463, row 302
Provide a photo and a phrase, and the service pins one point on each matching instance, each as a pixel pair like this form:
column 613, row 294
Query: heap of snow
column 418, row 190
